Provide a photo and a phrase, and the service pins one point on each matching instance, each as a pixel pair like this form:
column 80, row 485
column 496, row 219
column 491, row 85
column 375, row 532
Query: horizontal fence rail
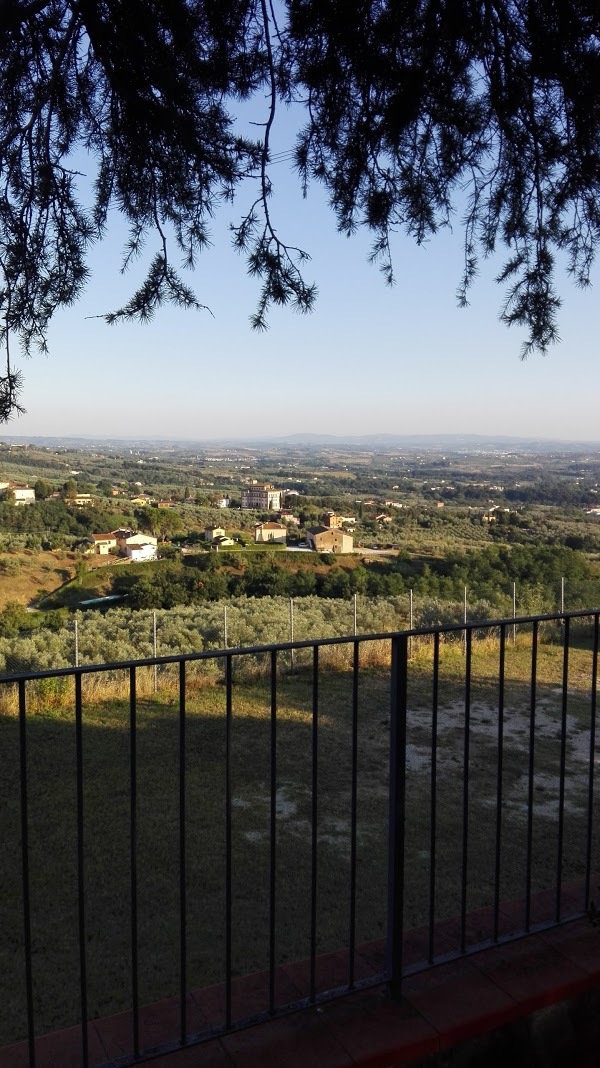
column 324, row 825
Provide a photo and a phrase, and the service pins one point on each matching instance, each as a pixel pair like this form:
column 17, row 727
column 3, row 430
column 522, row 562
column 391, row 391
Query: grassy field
column 52, row 820
column 23, row 574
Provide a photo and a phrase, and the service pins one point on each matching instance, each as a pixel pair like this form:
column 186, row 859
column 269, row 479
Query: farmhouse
column 127, row 539
column 327, row 540
column 142, row 499
column 139, row 539
column 211, row 533
column 103, row 543
column 140, row 552
column 331, row 520
column 275, row 532
column 23, row 495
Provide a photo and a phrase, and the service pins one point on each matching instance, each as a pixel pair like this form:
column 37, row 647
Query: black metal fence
column 479, row 760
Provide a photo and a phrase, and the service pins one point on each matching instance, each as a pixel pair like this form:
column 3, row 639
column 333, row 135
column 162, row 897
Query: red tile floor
column 441, row 1007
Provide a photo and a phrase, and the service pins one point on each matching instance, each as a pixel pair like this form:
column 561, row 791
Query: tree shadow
column 160, row 792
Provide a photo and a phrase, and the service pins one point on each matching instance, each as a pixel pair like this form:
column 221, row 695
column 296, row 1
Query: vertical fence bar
column 273, row 832
column 410, row 622
column 531, row 772
column 291, row 633
column 314, row 821
column 76, row 635
column 499, row 772
column 465, row 620
column 133, row 858
column 80, row 872
column 182, row 861
column 465, row 813
column 355, row 614
column 590, row 826
column 397, row 804
column 225, row 642
column 514, row 599
column 353, row 814
column 432, row 826
column 563, row 760
column 155, row 651
column 228, row 893
column 25, row 871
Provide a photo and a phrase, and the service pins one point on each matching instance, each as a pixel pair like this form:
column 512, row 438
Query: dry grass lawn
column 27, row 572
column 52, row 822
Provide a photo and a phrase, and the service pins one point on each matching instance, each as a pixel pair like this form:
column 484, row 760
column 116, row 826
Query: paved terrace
column 532, row 1001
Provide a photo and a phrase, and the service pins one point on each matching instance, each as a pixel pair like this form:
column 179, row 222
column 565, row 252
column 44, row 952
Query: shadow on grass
column 51, row 769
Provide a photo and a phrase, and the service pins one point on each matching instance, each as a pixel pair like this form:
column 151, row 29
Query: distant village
column 332, row 535
column 277, row 523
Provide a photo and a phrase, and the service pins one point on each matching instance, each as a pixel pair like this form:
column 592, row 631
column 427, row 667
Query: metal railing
column 406, row 715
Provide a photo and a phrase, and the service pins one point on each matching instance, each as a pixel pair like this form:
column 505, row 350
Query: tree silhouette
column 407, row 103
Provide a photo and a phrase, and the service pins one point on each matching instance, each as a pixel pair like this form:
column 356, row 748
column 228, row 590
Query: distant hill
column 449, row 442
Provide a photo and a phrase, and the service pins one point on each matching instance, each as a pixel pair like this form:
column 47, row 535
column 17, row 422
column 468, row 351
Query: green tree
column 161, row 521
column 13, row 618
column 81, row 569
column 406, row 102
column 42, row 489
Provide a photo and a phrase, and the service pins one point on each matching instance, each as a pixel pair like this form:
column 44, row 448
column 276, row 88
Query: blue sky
column 369, row 359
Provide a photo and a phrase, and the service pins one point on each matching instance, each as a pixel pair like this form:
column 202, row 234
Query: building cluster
column 136, row 547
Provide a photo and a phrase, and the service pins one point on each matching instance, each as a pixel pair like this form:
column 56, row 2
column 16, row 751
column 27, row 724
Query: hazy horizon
column 298, row 438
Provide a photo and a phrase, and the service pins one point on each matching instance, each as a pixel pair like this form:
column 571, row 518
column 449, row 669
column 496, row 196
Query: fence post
column 396, row 819
column 465, row 620
column 355, row 613
column 154, row 653
column 225, row 627
column 410, row 622
column 76, row 629
column 514, row 636
column 291, row 632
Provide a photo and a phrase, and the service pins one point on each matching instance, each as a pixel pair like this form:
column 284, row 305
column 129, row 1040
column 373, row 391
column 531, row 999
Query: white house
column 137, row 553
column 23, row 495
column 141, row 539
